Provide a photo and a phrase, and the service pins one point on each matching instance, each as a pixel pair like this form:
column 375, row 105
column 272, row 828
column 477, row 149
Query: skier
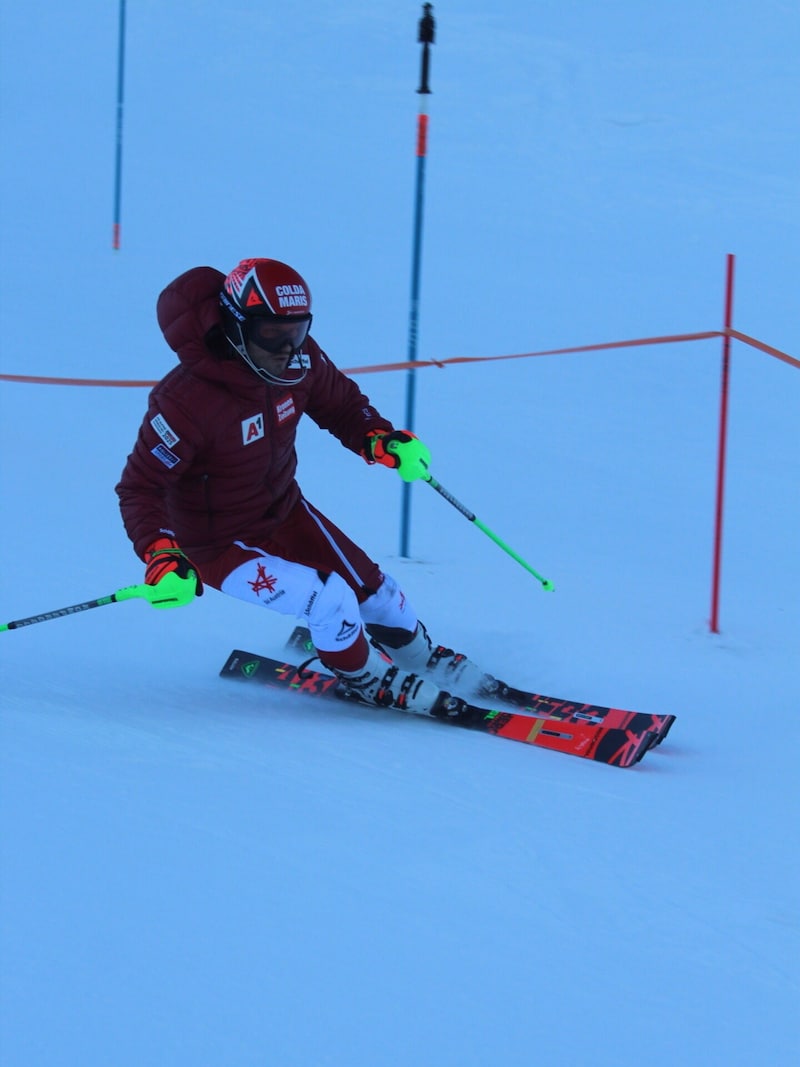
column 208, row 494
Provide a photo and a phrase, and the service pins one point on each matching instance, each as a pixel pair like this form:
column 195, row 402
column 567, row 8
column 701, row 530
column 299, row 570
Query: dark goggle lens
column 273, row 336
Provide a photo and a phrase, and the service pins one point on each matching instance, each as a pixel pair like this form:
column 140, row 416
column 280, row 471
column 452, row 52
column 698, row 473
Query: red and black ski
column 569, row 711
column 549, row 707
column 588, row 740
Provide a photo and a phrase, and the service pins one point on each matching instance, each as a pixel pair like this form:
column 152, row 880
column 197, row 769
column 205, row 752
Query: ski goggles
column 272, row 335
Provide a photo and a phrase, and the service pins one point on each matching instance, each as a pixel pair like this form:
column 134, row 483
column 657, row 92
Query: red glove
column 165, row 556
column 399, row 449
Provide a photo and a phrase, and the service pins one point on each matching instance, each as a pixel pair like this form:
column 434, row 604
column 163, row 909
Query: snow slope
column 197, row 874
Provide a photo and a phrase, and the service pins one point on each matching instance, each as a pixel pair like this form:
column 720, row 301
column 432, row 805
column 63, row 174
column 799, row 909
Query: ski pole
column 545, row 582
column 164, row 595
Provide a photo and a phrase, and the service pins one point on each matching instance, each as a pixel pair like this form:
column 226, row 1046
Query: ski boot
column 452, row 670
column 384, row 684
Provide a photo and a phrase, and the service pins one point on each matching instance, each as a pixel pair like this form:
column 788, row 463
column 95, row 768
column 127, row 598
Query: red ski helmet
column 268, row 303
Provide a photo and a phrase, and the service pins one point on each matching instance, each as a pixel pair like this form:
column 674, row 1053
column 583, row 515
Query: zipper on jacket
column 207, row 499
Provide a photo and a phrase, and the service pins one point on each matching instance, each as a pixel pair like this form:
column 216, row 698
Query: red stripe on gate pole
column 422, row 134
column 722, row 447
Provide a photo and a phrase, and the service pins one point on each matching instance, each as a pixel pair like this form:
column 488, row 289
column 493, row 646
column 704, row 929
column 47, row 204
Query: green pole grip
column 171, row 592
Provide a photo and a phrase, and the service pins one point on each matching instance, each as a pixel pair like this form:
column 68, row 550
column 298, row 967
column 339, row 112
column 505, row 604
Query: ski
column 618, row 747
column 569, row 711
column 548, row 707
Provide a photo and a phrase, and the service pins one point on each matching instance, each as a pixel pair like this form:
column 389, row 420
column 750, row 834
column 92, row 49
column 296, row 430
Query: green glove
column 400, row 449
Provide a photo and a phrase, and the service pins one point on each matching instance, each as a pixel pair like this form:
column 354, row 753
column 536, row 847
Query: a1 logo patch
column 252, row 429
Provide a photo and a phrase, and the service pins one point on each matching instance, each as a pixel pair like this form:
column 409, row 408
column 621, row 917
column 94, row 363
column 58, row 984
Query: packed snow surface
column 195, row 873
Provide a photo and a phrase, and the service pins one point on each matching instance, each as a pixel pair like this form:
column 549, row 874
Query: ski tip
column 667, row 725
column 636, row 753
column 650, row 741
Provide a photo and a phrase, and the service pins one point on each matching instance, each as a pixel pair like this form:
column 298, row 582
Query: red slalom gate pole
column 722, row 447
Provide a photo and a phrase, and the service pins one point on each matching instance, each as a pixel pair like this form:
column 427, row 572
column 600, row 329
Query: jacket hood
column 189, row 307
column 187, row 310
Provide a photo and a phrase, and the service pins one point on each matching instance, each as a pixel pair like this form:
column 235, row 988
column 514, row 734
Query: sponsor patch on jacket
column 252, row 429
column 284, row 409
column 164, row 431
column 168, row 458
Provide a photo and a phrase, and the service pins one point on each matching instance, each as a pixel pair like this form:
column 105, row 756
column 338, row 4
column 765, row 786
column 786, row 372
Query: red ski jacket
column 215, row 458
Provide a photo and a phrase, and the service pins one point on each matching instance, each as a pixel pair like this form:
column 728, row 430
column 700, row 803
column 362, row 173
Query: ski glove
column 170, row 568
column 400, row 449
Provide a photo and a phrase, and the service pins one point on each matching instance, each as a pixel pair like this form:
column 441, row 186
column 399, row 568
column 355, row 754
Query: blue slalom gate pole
column 116, row 235
column 425, row 36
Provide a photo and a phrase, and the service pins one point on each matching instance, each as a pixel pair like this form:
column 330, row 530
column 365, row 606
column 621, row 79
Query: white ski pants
column 328, row 606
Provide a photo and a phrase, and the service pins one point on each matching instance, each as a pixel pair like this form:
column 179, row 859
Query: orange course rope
column 417, row 364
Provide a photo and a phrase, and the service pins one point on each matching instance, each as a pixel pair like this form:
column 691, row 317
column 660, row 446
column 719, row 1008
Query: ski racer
column 209, row 496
